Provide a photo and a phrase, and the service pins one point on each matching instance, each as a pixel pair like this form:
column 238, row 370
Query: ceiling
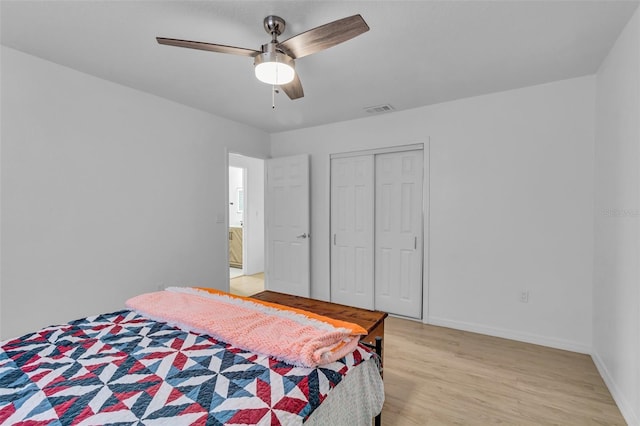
column 416, row 53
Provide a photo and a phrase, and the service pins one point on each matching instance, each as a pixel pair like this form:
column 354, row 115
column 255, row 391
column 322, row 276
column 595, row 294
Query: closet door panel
column 352, row 231
column 398, row 233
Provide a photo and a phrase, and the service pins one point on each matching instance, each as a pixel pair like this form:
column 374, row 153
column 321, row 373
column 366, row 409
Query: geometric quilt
column 122, row 368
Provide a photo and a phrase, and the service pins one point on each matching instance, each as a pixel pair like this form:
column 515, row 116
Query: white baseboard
column 625, row 408
column 567, row 345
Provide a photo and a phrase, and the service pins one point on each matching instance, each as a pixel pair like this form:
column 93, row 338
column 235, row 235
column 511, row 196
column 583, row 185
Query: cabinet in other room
column 235, row 247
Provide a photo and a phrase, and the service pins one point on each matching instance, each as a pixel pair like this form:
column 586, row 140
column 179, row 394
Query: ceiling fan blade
column 220, row 48
column 293, row 89
column 324, row 36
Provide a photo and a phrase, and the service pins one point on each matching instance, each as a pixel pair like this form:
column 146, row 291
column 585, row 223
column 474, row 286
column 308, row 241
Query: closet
column 377, row 230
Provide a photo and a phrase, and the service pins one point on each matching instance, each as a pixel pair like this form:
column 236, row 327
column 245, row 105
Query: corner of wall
column 624, row 405
column 616, row 303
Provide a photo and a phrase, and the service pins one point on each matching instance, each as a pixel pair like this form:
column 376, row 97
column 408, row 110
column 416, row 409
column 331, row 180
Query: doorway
column 246, row 224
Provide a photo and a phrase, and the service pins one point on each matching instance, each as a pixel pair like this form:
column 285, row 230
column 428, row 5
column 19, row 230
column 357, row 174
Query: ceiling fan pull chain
column 273, row 88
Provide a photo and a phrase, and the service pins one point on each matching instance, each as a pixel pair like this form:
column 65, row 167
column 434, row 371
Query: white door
column 398, row 245
column 287, row 225
column 352, row 213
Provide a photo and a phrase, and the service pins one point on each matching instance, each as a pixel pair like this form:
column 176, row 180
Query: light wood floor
column 247, row 285
column 439, row 376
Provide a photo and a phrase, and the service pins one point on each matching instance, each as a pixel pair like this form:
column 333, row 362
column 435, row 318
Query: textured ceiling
column 416, row 53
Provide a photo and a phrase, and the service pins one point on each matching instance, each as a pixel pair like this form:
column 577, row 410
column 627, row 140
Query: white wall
column 106, row 192
column 511, row 206
column 253, row 247
column 616, row 319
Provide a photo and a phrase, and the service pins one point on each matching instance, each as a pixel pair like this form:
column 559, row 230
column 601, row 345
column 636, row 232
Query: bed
column 130, row 367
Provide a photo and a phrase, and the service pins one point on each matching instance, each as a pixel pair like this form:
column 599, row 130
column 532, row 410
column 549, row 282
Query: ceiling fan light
column 274, row 68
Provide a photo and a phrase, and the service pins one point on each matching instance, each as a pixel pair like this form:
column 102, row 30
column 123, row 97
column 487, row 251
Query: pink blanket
column 267, row 329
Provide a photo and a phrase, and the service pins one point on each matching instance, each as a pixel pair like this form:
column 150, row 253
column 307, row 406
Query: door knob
column 303, row 236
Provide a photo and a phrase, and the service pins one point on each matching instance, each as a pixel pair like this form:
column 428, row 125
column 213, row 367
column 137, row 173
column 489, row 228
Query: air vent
column 379, row 109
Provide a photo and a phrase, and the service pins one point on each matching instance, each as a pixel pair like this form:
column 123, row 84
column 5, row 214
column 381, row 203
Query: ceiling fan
column 275, row 62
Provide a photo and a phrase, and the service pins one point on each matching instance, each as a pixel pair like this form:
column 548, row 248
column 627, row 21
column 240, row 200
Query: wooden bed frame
column 372, row 321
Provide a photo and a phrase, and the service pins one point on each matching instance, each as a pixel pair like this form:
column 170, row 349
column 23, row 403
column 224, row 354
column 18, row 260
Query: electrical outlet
column 524, row 296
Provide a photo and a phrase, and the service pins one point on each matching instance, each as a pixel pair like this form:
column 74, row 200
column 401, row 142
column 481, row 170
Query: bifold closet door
column 352, row 231
column 399, row 233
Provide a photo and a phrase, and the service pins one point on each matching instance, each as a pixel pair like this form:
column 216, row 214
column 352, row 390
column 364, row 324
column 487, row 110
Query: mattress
column 354, row 401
